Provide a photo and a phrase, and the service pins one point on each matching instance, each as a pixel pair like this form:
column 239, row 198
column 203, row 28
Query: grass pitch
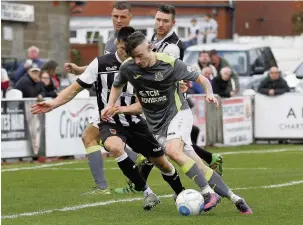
column 269, row 177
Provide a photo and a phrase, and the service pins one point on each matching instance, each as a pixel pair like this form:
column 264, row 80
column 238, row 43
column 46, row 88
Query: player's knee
column 174, row 151
column 115, row 146
column 90, row 136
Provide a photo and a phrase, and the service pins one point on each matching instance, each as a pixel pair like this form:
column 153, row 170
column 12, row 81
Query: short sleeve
column 172, row 50
column 89, row 76
column 184, row 72
column 121, row 78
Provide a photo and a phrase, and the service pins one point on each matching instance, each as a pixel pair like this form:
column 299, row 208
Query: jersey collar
column 117, row 57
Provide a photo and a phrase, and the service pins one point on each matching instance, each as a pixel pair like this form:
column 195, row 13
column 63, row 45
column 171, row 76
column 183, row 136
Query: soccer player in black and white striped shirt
column 121, row 17
column 121, row 129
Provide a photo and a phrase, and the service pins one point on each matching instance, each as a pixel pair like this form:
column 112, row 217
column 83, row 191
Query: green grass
column 46, row 189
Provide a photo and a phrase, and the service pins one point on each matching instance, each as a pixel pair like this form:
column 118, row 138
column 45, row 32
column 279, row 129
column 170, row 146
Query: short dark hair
column 133, row 41
column 51, row 64
column 204, row 52
column 213, row 52
column 167, row 9
column 124, row 32
column 121, row 5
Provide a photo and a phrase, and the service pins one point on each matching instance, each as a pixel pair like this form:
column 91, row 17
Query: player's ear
column 174, row 22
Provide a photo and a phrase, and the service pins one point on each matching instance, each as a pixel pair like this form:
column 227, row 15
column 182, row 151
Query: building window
column 73, row 33
column 92, row 36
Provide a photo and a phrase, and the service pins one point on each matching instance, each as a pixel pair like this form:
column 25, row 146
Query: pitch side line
column 222, row 153
column 77, row 207
column 36, row 167
column 117, row 168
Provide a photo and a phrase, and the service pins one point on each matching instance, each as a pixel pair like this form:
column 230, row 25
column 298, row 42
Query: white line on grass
column 36, row 167
column 256, row 151
column 79, row 169
column 117, row 168
column 77, row 207
column 222, row 153
column 273, row 185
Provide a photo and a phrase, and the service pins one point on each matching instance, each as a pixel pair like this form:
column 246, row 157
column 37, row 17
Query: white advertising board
column 64, row 127
column 279, row 116
column 237, row 121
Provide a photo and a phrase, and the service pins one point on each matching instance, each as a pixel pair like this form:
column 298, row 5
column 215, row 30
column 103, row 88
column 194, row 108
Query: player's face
column 142, row 55
column 163, row 23
column 121, row 18
column 121, row 50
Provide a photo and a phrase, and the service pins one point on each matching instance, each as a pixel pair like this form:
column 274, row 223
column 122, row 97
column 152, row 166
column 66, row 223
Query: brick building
column 244, row 18
column 43, row 24
column 95, row 19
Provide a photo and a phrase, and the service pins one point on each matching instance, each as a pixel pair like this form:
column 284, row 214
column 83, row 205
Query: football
column 190, row 202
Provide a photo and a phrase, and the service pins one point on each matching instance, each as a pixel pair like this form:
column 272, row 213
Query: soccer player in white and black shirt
column 121, row 17
column 121, row 128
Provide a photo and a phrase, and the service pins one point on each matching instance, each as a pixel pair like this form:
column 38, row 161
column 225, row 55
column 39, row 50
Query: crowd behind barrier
column 239, row 121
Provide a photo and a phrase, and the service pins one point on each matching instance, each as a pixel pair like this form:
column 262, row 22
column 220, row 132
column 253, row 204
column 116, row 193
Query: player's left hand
column 109, row 111
column 212, row 99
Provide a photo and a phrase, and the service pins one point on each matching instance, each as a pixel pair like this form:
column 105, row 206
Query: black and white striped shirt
column 101, row 73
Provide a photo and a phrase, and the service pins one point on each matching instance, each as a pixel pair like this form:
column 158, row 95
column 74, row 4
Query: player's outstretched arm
column 64, row 96
column 206, row 85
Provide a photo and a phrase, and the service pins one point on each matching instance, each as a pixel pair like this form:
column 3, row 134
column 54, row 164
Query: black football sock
column 174, row 181
column 130, row 170
column 145, row 170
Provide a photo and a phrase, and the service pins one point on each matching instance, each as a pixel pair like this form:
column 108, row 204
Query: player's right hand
column 70, row 67
column 42, row 107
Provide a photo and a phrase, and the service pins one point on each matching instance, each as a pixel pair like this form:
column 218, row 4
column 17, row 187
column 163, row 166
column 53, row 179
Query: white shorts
column 179, row 128
column 94, row 118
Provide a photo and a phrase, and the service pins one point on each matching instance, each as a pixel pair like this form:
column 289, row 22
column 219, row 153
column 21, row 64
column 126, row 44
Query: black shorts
column 137, row 136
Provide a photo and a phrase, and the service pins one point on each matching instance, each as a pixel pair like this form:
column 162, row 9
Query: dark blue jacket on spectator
column 21, row 71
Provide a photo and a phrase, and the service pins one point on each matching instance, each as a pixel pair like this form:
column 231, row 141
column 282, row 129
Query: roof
column 224, row 46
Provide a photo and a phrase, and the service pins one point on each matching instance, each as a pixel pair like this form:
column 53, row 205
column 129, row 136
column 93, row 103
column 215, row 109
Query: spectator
column 194, row 88
column 30, row 84
column 208, row 73
column 193, row 33
column 219, row 64
column 5, row 82
column 50, row 66
column 273, row 84
column 203, row 62
column 49, row 88
column 209, row 29
column 221, row 85
column 33, row 59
